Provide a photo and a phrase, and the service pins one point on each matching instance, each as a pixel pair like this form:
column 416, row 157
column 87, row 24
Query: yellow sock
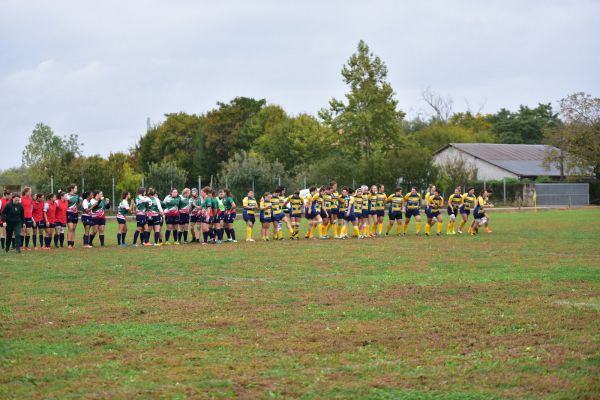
column 312, row 232
column 398, row 227
column 335, row 230
column 379, row 228
column 450, row 227
column 248, row 233
column 462, row 223
column 418, row 227
column 280, row 234
column 388, row 229
column 356, row 231
column 427, row 228
column 373, row 228
column 405, row 227
column 439, row 227
column 344, row 230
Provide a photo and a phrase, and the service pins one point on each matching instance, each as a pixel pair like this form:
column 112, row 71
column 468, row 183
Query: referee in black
column 13, row 218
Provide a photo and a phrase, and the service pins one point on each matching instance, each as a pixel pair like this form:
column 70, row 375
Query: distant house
column 498, row 161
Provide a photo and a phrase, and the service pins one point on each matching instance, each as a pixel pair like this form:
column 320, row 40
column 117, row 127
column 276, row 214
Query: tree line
column 363, row 138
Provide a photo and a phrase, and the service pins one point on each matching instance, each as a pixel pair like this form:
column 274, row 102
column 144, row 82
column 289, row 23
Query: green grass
column 512, row 314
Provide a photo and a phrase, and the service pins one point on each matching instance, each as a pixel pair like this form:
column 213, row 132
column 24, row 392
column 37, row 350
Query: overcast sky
column 99, row 69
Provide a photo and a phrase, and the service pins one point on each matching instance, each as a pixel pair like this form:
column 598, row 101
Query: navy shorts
column 428, row 212
column 121, row 221
column 140, row 220
column 465, row 211
column 41, row 224
column 296, row 215
column 380, row 213
column 334, row 211
column 265, row 220
column 478, row 215
column 394, row 215
column 434, row 214
column 172, row 219
column 193, row 219
column 351, row 217
column 278, row 217
column 324, row 214
column 28, row 222
column 248, row 218
column 87, row 220
column 59, row 225
column 452, row 211
column 412, row 212
column 219, row 217
column 72, row 218
column 230, row 218
column 184, row 218
column 51, row 224
column 365, row 213
column 99, row 221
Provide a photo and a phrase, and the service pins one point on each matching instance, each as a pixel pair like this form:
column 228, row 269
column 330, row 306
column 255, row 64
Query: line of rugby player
column 208, row 215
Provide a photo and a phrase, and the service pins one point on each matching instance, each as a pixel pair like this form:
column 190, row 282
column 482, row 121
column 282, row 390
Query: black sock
column 101, row 240
column 211, row 233
column 205, row 234
column 22, row 240
column 86, row 240
column 56, row 240
column 41, row 240
column 148, row 237
column 232, row 232
column 228, row 233
column 48, row 240
column 123, row 237
column 135, row 236
column 71, row 243
column 185, row 235
column 156, row 237
column 35, row 240
column 62, row 239
column 220, row 234
column 92, row 236
column 175, row 236
column 27, row 240
column 3, row 241
column 118, row 239
column 167, row 235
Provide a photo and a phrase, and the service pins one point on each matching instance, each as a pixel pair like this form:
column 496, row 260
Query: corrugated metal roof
column 521, row 159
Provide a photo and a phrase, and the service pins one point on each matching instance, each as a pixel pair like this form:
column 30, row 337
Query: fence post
column 304, row 182
column 484, row 187
column 504, row 186
column 51, row 183
column 226, row 182
column 143, row 181
column 82, row 184
column 211, row 181
column 199, row 183
column 279, row 181
column 112, row 202
column 253, row 186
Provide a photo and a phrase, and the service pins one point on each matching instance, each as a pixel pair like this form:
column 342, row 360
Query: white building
column 498, row 161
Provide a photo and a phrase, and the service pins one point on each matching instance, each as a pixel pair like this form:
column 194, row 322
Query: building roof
column 520, row 159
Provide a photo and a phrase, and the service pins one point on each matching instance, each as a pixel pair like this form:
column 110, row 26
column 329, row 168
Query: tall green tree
column 164, row 176
column 526, row 125
column 246, row 170
column 369, row 120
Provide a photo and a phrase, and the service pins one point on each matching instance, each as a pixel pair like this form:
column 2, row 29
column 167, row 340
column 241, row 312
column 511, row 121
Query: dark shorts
column 99, row 221
column 248, row 218
column 208, row 219
column 28, row 222
column 265, row 220
column 72, row 218
column 140, row 220
column 428, row 212
column 230, row 218
column 296, row 215
column 465, row 211
column 278, row 217
column 59, row 225
column 334, row 211
column 351, row 217
column 219, row 217
column 394, row 215
column 41, row 224
column 452, row 211
column 412, row 212
column 478, row 215
column 121, row 221
column 155, row 220
column 193, row 219
column 52, row 225
column 172, row 219
column 324, row 214
column 310, row 214
column 365, row 213
column 434, row 214
column 87, row 220
column 184, row 218
column 380, row 213
column 372, row 212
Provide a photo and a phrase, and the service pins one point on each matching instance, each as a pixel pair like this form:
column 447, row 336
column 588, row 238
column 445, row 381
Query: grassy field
column 512, row 314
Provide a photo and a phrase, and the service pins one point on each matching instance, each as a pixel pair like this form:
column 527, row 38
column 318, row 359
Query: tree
column 226, row 130
column 164, row 176
column 129, row 181
column 176, row 139
column 577, row 138
column 457, row 172
column 442, row 106
column 369, row 119
column 45, row 147
column 246, row 170
column 524, row 126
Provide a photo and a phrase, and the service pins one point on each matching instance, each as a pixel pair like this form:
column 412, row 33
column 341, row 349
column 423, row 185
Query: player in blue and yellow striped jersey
column 412, row 204
column 435, row 203
column 372, row 211
column 315, row 205
column 480, row 216
column 296, row 203
column 336, row 221
column 395, row 201
column 455, row 201
column 325, row 211
column 266, row 216
column 249, row 214
column 380, row 208
column 355, row 211
column 469, row 200
column 343, row 203
column 278, row 214
column 364, row 221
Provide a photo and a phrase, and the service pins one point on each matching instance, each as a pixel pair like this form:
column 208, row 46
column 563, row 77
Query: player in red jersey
column 27, row 203
column 39, row 224
column 50, row 218
column 3, row 202
column 62, row 205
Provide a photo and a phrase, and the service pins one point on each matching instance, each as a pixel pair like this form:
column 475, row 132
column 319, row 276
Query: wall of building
column 485, row 170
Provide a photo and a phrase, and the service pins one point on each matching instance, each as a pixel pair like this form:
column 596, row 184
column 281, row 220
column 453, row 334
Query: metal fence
column 562, row 194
